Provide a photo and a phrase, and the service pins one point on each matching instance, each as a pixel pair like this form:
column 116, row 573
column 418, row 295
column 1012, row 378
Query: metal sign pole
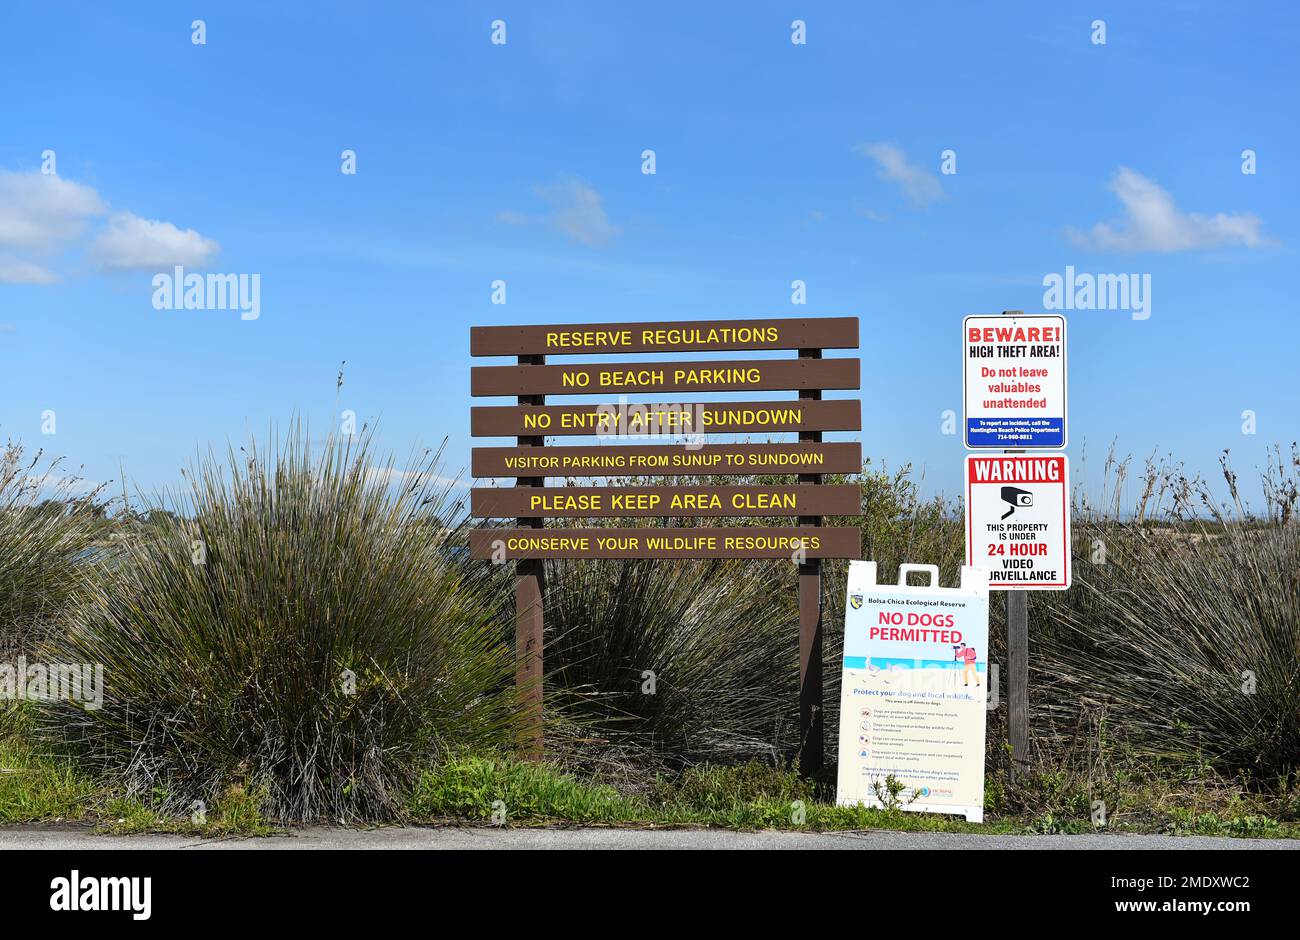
column 811, row 720
column 1017, row 664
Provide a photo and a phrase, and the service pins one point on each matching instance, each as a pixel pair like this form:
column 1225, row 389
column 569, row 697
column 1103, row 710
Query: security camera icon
column 1017, row 498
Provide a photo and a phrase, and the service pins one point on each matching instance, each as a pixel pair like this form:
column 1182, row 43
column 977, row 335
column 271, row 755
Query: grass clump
column 1249, row 826
column 1180, row 642
column 506, row 791
column 678, row 660
column 238, row 811
column 306, row 627
column 753, row 795
column 35, row 787
column 749, row 796
column 48, row 525
column 710, row 787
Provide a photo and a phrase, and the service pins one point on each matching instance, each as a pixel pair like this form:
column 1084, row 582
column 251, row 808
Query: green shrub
column 308, row 628
column 35, row 787
column 505, row 790
column 1179, row 641
column 714, row 787
column 47, row 527
column 683, row 659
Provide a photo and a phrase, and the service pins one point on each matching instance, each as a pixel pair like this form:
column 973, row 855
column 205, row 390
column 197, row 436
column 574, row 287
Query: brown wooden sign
column 752, row 417
column 635, row 377
column 656, row 542
column 520, row 502
column 691, row 336
column 531, row 420
column 665, row 460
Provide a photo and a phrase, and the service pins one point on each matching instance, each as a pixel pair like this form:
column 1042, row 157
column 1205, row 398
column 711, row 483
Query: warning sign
column 1018, row 520
column 1015, row 381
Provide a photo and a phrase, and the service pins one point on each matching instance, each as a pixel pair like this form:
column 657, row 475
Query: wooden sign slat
column 665, row 460
column 638, row 377
column 662, row 418
column 685, row 336
column 580, row 502
column 657, row 542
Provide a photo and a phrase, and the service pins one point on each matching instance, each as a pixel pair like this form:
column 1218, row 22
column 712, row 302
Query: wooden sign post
column 1018, row 680
column 530, row 585
column 812, row 730
column 530, row 501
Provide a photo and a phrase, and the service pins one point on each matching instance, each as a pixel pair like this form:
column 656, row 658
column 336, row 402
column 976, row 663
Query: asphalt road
column 49, row 837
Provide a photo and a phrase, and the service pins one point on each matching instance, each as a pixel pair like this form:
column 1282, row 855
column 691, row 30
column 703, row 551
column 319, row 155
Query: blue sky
column 522, row 162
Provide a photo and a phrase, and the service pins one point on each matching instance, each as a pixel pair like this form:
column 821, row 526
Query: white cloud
column 578, row 212
column 129, row 243
column 16, row 271
column 41, row 213
column 1153, row 223
column 918, row 184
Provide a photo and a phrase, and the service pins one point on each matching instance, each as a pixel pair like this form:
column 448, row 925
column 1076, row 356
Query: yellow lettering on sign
column 758, row 543
column 585, row 339
column 548, row 543
column 622, row 543
column 630, row 378
column 751, row 416
column 627, row 502
column 728, row 376
column 566, row 502
column 760, row 501
column 696, row 501
column 682, row 543
column 583, row 420
column 698, row 336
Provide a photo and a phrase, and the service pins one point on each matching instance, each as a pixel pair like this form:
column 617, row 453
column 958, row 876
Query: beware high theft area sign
column 1015, row 381
column 1018, row 520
